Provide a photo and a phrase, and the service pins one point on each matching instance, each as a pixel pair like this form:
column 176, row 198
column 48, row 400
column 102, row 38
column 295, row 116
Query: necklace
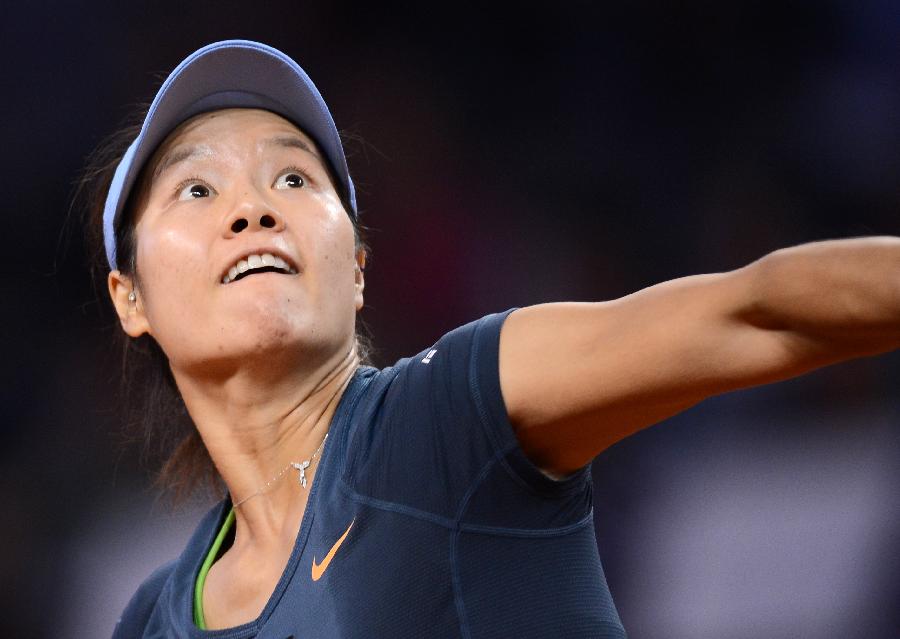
column 301, row 466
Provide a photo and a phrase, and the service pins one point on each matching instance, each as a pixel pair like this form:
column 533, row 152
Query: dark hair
column 158, row 417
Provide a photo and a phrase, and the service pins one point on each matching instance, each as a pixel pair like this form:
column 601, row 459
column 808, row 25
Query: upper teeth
column 256, row 261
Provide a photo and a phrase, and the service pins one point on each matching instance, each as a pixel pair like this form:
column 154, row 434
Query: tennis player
column 448, row 495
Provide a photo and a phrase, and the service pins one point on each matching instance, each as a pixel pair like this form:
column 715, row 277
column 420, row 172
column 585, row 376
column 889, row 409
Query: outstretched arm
column 578, row 377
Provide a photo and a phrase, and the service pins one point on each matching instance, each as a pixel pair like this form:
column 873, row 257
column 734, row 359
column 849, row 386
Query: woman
column 421, row 499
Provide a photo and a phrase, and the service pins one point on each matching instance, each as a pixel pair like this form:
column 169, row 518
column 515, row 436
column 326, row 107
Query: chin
column 275, row 332
column 288, row 336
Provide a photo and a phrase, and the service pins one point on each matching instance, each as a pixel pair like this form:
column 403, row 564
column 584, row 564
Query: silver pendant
column 302, row 468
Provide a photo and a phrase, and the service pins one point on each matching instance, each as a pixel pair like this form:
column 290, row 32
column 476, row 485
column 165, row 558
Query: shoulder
column 444, row 403
column 138, row 611
column 447, row 371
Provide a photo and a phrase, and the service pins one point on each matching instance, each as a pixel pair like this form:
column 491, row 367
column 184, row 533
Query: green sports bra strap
column 211, row 557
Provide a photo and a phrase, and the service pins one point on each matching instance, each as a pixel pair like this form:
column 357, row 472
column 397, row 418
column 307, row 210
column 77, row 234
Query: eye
column 192, row 189
column 290, row 179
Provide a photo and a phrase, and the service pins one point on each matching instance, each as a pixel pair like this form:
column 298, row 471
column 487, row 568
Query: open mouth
column 257, row 263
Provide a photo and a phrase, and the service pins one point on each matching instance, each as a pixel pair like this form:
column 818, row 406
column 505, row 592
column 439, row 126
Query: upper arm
column 578, row 377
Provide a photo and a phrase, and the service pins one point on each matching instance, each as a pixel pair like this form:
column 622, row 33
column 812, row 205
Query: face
column 227, row 191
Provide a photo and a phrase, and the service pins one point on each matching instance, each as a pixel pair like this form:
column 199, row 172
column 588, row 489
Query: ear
column 360, row 278
column 130, row 311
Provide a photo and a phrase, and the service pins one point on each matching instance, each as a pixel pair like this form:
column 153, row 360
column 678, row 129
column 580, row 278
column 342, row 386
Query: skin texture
column 261, row 362
column 579, row 377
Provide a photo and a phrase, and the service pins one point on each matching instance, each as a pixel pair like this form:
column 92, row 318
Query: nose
column 248, row 219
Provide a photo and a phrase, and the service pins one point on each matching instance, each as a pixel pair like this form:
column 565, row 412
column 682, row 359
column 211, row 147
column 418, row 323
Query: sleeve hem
column 484, row 382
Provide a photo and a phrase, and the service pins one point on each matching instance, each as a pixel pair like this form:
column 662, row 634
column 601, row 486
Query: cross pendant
column 302, row 468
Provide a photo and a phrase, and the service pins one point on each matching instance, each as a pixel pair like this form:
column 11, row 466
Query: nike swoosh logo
column 319, row 569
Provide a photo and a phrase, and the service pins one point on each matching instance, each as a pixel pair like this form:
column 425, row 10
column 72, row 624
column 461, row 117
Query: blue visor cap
column 227, row 74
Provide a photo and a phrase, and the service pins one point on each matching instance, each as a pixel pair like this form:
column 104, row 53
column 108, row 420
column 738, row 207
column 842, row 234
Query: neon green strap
column 211, row 557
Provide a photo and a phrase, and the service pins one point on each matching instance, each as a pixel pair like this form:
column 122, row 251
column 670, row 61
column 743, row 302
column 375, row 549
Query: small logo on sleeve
column 428, row 357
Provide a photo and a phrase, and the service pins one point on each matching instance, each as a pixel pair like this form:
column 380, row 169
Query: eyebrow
column 291, row 142
column 179, row 155
column 185, row 153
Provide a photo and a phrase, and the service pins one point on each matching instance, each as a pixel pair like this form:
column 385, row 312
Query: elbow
column 761, row 283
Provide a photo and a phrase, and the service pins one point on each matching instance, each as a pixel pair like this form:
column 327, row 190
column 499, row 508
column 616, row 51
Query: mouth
column 255, row 263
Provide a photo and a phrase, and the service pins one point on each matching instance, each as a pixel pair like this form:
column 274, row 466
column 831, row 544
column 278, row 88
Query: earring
column 132, row 297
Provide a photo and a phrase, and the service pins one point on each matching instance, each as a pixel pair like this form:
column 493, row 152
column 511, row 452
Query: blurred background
column 576, row 151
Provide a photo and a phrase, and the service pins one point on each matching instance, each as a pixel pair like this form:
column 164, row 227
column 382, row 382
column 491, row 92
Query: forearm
column 842, row 292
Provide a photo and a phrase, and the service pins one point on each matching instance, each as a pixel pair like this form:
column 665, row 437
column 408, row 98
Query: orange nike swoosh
column 318, row 569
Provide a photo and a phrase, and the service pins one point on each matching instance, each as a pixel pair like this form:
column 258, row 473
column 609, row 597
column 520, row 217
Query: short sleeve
column 432, row 433
column 136, row 616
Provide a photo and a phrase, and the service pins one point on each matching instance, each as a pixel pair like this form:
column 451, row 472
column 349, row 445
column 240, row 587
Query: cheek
column 186, row 244
column 337, row 240
column 339, row 258
column 171, row 264
column 173, row 249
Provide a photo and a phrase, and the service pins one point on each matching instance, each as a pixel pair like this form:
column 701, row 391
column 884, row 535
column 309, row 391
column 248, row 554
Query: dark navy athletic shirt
column 425, row 519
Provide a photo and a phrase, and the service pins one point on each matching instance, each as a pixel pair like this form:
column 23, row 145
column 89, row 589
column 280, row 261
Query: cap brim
column 228, row 74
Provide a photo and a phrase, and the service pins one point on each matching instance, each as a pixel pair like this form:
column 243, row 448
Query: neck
column 254, row 425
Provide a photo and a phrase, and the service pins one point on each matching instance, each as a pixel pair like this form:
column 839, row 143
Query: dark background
column 562, row 151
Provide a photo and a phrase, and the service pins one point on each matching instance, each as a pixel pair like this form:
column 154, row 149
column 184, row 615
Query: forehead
column 247, row 126
column 235, row 120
